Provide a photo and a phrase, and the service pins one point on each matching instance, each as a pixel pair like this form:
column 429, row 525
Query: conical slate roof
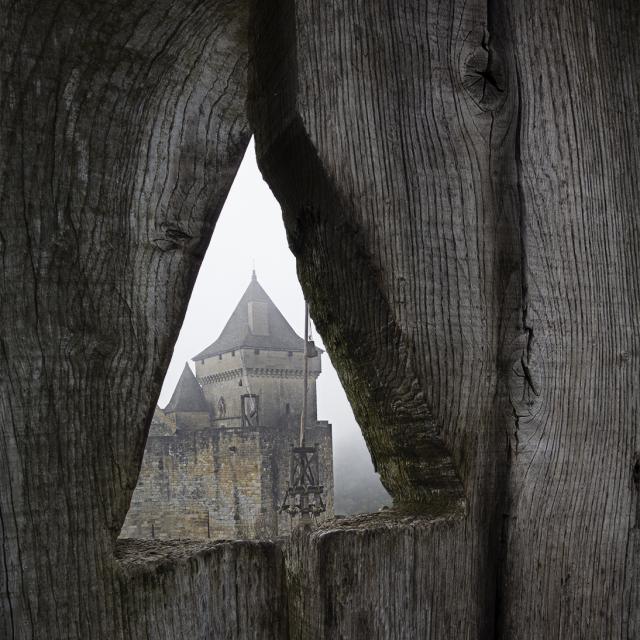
column 237, row 333
column 188, row 394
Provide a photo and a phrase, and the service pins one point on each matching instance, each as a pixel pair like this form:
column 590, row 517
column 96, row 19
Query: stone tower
column 216, row 464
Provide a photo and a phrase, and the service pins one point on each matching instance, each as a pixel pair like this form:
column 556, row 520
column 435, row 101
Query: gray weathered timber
column 394, row 167
column 573, row 552
column 459, row 183
column 379, row 577
column 200, row 590
column 122, row 127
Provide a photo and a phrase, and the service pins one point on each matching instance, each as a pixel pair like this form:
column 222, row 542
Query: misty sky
column 250, row 230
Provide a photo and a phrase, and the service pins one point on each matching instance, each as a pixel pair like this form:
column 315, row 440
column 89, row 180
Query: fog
column 250, row 234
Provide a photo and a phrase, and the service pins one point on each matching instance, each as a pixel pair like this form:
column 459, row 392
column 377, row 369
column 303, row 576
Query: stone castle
column 217, row 459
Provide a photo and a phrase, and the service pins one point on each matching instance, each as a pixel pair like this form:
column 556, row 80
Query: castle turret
column 188, row 408
column 252, row 374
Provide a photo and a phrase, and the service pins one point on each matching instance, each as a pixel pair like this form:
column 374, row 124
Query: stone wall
column 203, row 484
column 219, row 483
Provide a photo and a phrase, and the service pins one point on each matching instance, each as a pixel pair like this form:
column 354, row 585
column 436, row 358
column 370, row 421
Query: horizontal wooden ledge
column 137, row 555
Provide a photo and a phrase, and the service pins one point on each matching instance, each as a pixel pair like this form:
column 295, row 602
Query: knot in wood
column 172, row 238
column 484, row 76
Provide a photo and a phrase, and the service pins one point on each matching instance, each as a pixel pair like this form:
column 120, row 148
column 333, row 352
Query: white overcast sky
column 250, row 231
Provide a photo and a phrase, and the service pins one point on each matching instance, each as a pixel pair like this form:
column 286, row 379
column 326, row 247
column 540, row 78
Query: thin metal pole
column 303, row 416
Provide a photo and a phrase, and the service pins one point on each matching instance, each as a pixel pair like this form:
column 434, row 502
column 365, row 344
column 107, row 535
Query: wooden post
column 303, row 415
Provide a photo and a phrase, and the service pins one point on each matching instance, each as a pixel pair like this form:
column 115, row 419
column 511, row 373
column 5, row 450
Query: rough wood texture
column 122, row 126
column 459, row 183
column 379, row 576
column 573, row 554
column 200, row 590
column 394, row 167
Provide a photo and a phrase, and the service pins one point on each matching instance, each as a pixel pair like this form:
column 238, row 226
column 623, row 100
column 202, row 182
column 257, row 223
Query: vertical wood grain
column 387, row 132
column 122, row 127
column 573, row 552
column 459, row 186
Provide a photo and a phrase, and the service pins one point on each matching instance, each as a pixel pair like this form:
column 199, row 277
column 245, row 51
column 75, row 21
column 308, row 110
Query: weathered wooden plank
column 122, row 127
column 574, row 545
column 201, row 590
column 459, row 184
column 387, row 133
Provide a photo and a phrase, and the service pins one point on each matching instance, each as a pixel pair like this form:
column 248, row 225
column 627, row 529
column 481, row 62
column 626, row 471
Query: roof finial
column 254, row 278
